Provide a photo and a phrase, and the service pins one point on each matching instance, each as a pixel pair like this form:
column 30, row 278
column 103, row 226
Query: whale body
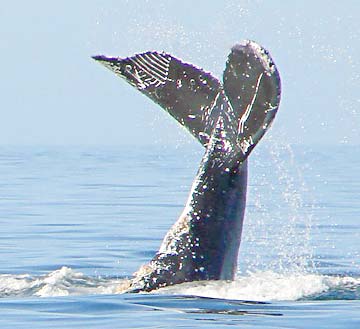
column 228, row 119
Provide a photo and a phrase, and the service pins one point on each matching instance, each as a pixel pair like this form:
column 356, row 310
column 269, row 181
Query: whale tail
column 250, row 93
column 228, row 119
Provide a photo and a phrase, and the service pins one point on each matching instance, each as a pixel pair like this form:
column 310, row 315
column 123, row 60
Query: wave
column 258, row 286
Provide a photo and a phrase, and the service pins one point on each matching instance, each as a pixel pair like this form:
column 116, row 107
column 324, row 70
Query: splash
column 270, row 286
column 277, row 231
column 258, row 286
column 62, row 282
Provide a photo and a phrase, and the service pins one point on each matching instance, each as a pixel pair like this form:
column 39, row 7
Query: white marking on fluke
column 246, row 115
column 151, row 69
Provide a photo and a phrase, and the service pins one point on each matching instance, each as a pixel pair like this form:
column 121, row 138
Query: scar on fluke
column 228, row 119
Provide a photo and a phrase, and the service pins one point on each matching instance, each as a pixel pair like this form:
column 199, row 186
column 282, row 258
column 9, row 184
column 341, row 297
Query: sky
column 53, row 93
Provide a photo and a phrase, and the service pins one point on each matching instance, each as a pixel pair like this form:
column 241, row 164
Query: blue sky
column 53, row 93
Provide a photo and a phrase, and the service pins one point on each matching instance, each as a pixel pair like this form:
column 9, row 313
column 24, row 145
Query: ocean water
column 76, row 221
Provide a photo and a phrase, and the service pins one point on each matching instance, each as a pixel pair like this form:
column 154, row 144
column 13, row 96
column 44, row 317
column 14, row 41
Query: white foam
column 264, row 286
column 259, row 286
column 14, row 284
column 62, row 282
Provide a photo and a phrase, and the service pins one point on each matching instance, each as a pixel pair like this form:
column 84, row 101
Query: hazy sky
column 53, row 93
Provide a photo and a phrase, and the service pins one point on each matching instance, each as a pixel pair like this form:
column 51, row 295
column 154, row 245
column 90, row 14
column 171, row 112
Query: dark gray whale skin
column 228, row 119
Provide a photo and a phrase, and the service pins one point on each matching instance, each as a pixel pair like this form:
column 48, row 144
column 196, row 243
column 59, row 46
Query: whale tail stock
column 228, row 119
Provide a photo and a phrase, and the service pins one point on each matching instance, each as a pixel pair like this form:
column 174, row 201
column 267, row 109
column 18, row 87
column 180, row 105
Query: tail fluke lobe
column 252, row 85
column 186, row 92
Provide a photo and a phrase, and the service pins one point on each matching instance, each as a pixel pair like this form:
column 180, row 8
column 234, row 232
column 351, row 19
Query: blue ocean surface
column 76, row 221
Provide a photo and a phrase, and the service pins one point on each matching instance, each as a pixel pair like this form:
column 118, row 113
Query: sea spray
column 277, row 232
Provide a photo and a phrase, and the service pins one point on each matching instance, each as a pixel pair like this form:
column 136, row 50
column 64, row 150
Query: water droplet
column 178, row 83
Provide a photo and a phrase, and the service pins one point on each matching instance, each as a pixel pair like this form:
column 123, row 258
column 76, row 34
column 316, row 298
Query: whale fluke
column 228, row 119
column 252, row 85
column 186, row 92
column 250, row 94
